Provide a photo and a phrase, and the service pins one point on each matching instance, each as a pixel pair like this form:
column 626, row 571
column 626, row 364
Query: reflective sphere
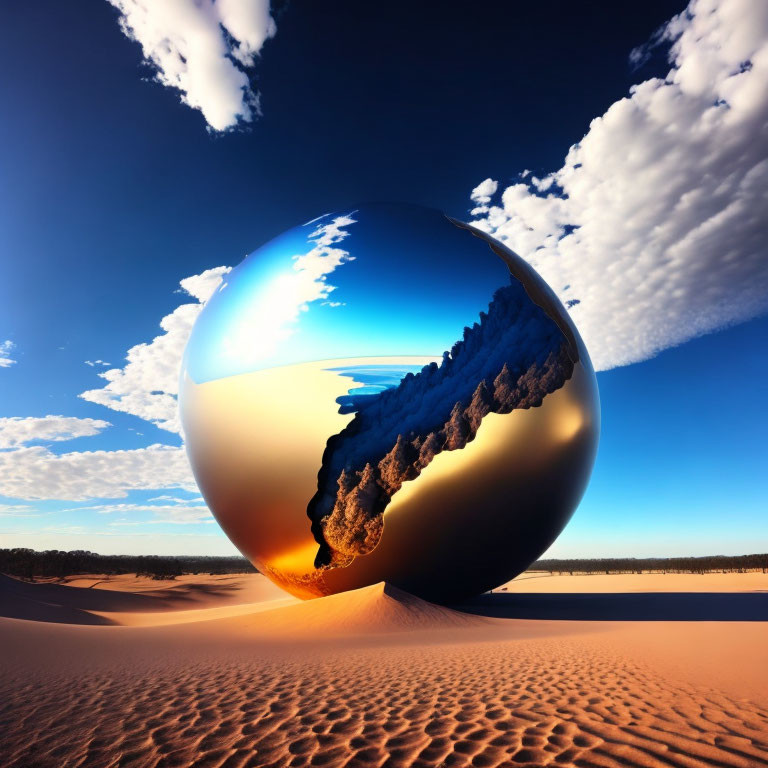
column 387, row 394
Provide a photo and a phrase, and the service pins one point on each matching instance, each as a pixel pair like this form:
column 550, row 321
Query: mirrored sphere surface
column 387, row 394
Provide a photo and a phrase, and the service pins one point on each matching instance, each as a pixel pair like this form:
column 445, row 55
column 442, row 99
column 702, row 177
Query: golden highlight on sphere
column 386, row 394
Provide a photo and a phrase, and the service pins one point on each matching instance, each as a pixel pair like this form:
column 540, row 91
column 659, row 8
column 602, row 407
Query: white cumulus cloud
column 203, row 49
column 482, row 195
column 654, row 230
column 6, row 347
column 34, row 473
column 147, row 386
column 16, row 431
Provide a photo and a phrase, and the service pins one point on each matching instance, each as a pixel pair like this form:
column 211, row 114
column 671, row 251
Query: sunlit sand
column 228, row 671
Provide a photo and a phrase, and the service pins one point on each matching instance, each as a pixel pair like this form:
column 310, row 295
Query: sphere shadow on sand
column 631, row 606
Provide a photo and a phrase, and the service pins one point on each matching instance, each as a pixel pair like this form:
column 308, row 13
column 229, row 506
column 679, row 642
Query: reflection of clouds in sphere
column 268, row 322
column 386, row 394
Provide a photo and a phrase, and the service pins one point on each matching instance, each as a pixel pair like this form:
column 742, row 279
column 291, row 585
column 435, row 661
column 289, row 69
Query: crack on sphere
column 512, row 359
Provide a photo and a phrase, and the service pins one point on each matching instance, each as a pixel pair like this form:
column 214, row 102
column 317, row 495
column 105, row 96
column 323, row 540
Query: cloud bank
column 34, row 473
column 202, row 48
column 147, row 386
column 16, row 431
column 654, row 230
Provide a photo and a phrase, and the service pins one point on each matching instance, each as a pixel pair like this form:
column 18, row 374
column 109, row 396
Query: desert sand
column 228, row 671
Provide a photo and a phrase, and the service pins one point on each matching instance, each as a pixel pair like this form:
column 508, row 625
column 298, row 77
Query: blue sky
column 113, row 192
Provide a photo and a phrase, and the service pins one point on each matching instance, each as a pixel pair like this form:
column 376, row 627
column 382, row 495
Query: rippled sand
column 369, row 678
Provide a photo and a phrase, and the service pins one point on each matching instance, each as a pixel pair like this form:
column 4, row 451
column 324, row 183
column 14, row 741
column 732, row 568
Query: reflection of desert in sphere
column 386, row 394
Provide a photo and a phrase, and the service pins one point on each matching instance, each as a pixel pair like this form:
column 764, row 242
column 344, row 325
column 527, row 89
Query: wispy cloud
column 6, row 347
column 147, row 386
column 181, row 514
column 177, row 500
column 19, row 510
column 94, row 363
column 165, row 521
column 203, row 49
column 16, row 431
column 656, row 223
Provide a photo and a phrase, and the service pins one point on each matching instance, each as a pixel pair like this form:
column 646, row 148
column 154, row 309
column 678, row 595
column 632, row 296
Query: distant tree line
column 29, row 564
column 708, row 564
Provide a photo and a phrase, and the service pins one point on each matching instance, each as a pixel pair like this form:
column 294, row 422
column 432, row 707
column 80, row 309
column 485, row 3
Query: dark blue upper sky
column 112, row 191
column 111, row 185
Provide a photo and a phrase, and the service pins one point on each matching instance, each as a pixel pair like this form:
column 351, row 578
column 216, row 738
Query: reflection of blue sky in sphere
column 346, row 286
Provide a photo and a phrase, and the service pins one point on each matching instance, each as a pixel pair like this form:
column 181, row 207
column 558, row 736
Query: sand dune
column 126, row 599
column 204, row 590
column 379, row 678
column 193, row 616
column 375, row 610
